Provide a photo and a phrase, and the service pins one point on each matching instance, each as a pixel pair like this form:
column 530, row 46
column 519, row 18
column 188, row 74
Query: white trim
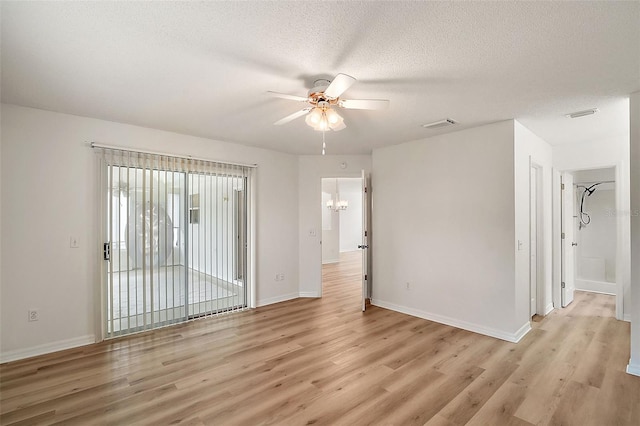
column 277, row 299
column 491, row 332
column 100, row 299
column 163, row 154
column 626, row 317
column 600, row 287
column 556, row 241
column 622, row 230
column 251, row 253
column 309, row 294
column 548, row 309
column 540, row 234
column 633, row 369
column 47, row 348
column 519, row 334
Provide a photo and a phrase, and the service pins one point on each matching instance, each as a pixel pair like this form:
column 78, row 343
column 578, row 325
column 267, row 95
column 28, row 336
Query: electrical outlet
column 33, row 315
column 73, row 242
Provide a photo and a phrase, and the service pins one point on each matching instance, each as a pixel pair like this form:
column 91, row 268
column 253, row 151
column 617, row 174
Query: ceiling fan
column 322, row 97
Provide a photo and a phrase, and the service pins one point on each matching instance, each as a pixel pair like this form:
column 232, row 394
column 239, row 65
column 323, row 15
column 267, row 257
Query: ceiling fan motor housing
column 316, row 94
column 320, row 85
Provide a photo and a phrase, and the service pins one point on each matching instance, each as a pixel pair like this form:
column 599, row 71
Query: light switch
column 74, row 243
column 519, row 245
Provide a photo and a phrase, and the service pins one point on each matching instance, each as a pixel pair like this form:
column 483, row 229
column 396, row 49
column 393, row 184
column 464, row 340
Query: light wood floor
column 323, row 361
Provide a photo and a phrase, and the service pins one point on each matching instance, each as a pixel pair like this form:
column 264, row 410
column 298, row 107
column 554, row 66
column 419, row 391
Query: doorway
column 342, row 230
column 590, row 263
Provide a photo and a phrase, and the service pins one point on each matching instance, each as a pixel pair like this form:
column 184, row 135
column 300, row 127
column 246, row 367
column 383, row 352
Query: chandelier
column 338, row 204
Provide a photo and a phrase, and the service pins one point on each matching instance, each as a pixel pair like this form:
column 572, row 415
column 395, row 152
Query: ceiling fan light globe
column 338, row 125
column 323, row 125
column 314, row 117
column 333, row 117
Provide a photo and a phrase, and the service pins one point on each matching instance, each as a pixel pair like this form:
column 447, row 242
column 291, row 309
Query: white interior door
column 366, row 296
column 568, row 240
column 533, row 241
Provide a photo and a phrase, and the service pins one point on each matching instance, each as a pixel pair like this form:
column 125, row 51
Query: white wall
column 330, row 224
column 596, row 155
column 531, row 150
column 634, row 109
column 444, row 222
column 595, row 175
column 1, row 239
column 351, row 218
column 50, row 192
column 596, row 250
column 311, row 169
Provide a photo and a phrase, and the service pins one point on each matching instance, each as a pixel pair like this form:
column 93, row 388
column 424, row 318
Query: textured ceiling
column 202, row 68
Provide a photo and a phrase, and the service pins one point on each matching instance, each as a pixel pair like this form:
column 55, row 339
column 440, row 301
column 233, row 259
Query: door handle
column 106, row 251
column 574, row 244
column 363, row 246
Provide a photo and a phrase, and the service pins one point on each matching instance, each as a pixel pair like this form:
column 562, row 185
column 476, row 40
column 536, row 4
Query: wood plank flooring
column 323, row 361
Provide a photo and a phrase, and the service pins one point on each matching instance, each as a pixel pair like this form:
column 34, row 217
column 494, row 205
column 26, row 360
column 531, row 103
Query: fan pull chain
column 324, row 145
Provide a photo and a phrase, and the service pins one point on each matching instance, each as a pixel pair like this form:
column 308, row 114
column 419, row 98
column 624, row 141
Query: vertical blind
column 176, row 245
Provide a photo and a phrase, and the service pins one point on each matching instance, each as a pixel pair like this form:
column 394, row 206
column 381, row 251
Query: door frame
column 366, row 240
column 623, row 260
column 346, row 175
column 540, row 308
column 567, row 235
column 103, row 212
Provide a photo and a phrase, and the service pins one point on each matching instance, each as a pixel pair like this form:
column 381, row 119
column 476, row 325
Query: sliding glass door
column 176, row 245
column 216, row 244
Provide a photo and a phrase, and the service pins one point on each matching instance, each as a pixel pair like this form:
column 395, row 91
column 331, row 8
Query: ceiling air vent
column 438, row 124
column 582, row 113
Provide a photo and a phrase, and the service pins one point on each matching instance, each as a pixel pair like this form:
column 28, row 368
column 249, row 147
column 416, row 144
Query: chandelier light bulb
column 336, row 204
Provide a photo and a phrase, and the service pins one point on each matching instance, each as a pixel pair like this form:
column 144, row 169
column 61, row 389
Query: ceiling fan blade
column 339, row 84
column 364, row 103
column 290, row 97
column 292, row 117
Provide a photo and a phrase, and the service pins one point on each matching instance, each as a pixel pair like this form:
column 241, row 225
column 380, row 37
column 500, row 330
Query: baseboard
column 633, row 369
column 626, row 317
column 285, row 297
column 47, row 348
column 548, row 309
column 596, row 287
column 476, row 328
column 276, row 299
column 518, row 335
